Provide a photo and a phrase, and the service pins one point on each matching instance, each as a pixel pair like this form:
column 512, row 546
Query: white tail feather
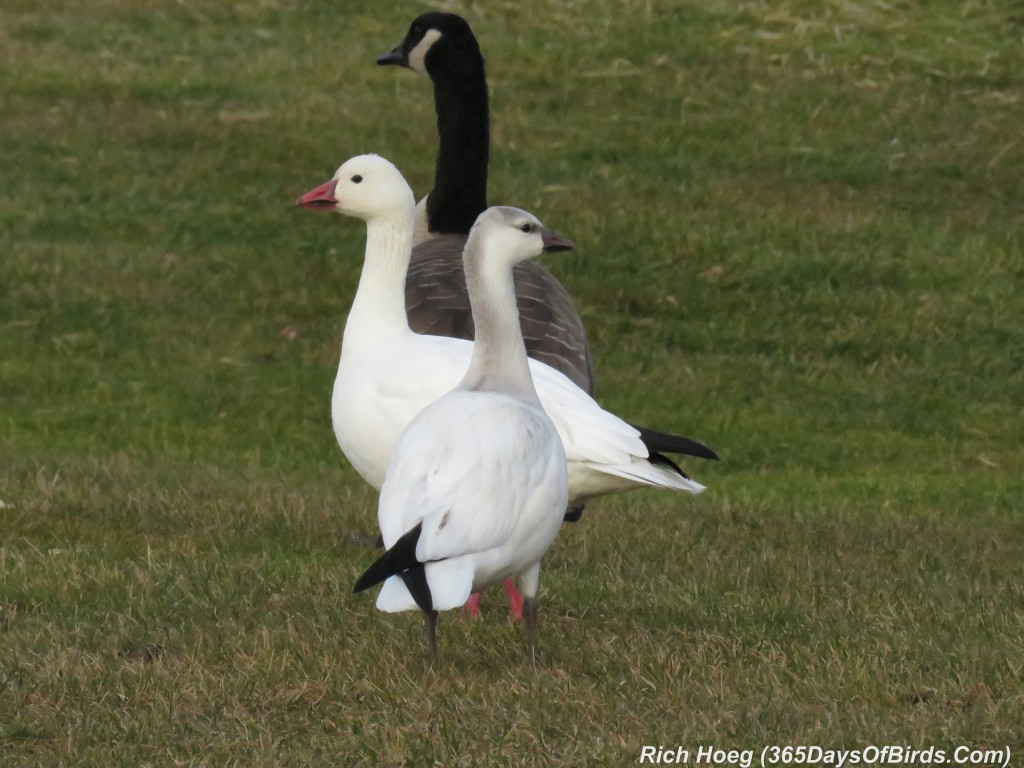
column 450, row 582
column 645, row 473
column 394, row 596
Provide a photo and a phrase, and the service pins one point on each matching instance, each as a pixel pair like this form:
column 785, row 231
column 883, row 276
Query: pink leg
column 515, row 599
column 472, row 606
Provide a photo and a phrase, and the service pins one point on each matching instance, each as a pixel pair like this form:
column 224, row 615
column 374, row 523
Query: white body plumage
column 379, row 391
column 485, row 473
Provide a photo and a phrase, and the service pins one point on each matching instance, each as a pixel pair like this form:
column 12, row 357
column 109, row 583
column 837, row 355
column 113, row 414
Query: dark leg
column 530, row 609
column 430, row 631
column 574, row 514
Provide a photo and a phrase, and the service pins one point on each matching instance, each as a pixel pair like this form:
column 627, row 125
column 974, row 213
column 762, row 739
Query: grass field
column 799, row 239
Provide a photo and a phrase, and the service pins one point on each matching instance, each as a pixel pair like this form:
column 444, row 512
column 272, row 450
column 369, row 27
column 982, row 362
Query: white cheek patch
column 418, row 55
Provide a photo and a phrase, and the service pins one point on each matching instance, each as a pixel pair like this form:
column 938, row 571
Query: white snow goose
column 477, row 486
column 442, row 47
column 387, row 374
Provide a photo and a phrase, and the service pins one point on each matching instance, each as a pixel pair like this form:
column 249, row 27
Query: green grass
column 798, row 233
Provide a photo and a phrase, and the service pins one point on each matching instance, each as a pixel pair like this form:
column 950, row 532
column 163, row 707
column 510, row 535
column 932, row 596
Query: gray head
column 506, row 236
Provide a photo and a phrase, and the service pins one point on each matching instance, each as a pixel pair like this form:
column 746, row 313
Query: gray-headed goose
column 476, row 487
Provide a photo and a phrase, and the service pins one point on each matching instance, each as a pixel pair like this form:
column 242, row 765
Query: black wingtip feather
column 663, row 442
column 659, row 458
column 401, row 557
column 416, row 582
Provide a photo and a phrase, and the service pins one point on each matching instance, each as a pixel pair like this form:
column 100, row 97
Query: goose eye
column 357, row 179
column 527, row 228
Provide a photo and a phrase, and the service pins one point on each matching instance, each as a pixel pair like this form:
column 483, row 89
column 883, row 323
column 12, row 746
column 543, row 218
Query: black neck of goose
column 460, row 179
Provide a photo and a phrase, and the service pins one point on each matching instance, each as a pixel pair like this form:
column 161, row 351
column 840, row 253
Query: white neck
column 499, row 361
column 378, row 309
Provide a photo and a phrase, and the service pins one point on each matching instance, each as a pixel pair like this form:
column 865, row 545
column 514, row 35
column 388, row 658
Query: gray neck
column 499, row 361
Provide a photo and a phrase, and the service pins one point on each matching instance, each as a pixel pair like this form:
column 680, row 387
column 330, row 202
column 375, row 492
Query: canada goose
column 442, row 47
column 477, row 486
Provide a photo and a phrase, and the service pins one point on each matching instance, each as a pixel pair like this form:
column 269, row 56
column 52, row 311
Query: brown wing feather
column 438, row 305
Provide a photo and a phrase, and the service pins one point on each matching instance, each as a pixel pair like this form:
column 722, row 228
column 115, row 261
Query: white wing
column 377, row 396
column 485, row 475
